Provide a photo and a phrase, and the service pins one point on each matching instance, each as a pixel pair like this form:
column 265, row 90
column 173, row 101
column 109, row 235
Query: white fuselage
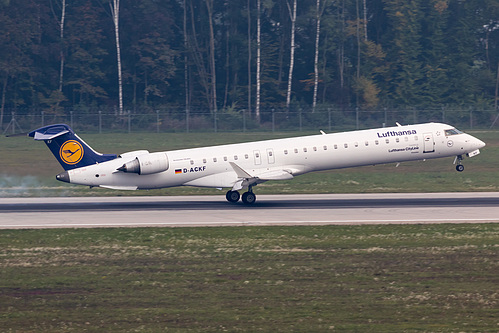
column 269, row 160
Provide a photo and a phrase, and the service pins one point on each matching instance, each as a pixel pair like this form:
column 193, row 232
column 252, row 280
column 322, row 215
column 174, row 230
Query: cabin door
column 429, row 143
column 270, row 156
column 257, row 156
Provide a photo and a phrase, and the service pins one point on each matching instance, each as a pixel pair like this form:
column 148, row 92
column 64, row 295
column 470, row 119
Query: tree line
column 225, row 56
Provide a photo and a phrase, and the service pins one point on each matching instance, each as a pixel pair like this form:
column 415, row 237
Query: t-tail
column 67, row 147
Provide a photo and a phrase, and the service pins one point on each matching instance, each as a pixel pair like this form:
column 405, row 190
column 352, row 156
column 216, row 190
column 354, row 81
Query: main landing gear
column 248, row 197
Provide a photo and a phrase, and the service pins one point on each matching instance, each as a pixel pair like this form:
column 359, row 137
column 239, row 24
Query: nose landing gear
column 459, row 166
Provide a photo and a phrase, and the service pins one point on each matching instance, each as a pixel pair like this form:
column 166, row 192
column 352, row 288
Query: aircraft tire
column 249, row 198
column 460, row 168
column 232, row 196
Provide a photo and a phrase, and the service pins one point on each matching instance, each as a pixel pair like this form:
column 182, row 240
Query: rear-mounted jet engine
column 146, row 164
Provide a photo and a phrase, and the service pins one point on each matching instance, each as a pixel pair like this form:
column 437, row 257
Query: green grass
column 408, row 278
column 27, row 168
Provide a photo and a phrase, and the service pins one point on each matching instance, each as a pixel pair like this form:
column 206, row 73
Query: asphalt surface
column 78, row 212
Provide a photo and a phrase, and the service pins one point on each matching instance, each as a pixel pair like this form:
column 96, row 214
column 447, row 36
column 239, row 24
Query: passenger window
column 305, row 150
column 225, row 158
column 346, row 145
column 215, row 159
column 406, row 139
column 204, row 160
column 416, row 138
column 285, row 152
column 246, row 156
column 397, row 140
column 376, row 142
column 325, row 147
column 315, row 148
column 192, row 162
column 356, row 144
column 296, row 151
column 335, row 146
column 235, row 157
column 367, row 143
column 387, row 141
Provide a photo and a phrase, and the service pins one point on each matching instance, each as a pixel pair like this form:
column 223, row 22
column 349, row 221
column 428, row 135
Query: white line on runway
column 246, row 223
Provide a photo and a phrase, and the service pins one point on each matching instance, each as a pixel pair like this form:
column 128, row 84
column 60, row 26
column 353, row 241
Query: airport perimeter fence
column 175, row 120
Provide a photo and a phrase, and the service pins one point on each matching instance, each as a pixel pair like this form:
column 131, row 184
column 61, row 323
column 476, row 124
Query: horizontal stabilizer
column 41, row 136
column 49, row 132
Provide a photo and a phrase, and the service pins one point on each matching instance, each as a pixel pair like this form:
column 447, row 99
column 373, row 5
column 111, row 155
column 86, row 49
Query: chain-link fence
column 175, row 120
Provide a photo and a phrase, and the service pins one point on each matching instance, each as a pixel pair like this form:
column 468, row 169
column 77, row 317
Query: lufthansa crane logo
column 71, row 152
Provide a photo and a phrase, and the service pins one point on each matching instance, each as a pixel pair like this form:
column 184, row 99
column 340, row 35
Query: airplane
column 242, row 166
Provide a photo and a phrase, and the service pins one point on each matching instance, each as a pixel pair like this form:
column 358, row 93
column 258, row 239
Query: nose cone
column 63, row 177
column 478, row 143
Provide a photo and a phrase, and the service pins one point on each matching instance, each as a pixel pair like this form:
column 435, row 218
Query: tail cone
column 63, row 177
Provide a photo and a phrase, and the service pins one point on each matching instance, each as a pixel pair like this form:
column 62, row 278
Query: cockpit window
column 453, row 131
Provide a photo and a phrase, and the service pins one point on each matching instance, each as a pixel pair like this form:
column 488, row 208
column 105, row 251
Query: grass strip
column 384, row 278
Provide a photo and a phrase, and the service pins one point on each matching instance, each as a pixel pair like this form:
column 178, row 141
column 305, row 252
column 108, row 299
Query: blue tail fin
column 71, row 151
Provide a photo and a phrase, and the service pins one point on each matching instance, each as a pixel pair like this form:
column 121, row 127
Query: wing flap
column 245, row 179
column 121, row 188
column 275, row 175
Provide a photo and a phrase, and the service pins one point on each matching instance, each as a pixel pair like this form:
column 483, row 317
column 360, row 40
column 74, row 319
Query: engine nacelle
column 147, row 164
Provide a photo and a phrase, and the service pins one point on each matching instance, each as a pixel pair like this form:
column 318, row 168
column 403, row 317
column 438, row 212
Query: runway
column 290, row 210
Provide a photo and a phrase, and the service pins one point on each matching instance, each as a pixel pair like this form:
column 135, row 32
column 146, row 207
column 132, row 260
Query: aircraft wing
column 246, row 179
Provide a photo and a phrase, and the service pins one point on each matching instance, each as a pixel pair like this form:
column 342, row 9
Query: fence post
column 329, row 119
column 129, row 121
column 244, row 120
column 13, row 124
column 100, row 122
column 299, row 115
column 357, row 118
column 273, row 120
column 187, row 119
column 215, row 122
column 157, row 121
column 471, row 117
